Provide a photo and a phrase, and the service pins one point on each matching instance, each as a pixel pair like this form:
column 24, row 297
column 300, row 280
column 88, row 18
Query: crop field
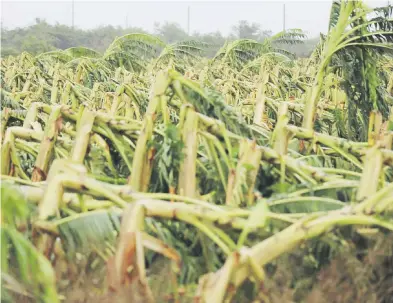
column 152, row 173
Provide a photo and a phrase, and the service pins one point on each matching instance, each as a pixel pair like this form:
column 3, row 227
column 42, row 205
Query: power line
column 188, row 21
column 73, row 13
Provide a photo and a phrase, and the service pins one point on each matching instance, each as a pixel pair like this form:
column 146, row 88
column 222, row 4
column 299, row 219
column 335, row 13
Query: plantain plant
column 150, row 165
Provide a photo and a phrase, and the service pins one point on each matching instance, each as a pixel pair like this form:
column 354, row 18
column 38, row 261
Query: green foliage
column 302, row 176
column 189, row 243
column 170, row 32
column 244, row 30
column 50, row 37
column 43, row 37
column 88, row 232
column 180, row 55
column 19, row 257
column 371, row 36
column 214, row 106
column 167, row 158
column 8, row 101
column 242, row 51
column 14, row 209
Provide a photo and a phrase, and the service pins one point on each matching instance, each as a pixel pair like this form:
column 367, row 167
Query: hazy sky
column 311, row 16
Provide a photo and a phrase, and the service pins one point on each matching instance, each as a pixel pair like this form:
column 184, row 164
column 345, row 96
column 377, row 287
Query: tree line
column 42, row 37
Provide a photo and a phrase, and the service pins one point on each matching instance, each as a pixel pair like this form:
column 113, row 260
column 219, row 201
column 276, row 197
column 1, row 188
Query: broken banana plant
column 125, row 162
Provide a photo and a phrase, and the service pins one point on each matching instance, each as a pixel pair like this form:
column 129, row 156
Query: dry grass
column 354, row 275
column 362, row 273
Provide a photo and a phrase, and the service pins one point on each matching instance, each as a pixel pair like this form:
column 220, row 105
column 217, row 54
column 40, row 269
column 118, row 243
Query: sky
column 205, row 17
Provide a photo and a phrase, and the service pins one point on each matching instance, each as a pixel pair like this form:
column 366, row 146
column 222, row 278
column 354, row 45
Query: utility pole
column 73, row 13
column 188, row 21
column 284, row 17
column 126, row 21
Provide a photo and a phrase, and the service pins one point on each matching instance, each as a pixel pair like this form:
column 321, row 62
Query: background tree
column 214, row 40
column 170, row 32
column 245, row 30
column 42, row 37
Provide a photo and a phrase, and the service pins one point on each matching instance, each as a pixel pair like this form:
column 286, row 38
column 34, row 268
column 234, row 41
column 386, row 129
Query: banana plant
column 352, row 27
column 150, row 156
